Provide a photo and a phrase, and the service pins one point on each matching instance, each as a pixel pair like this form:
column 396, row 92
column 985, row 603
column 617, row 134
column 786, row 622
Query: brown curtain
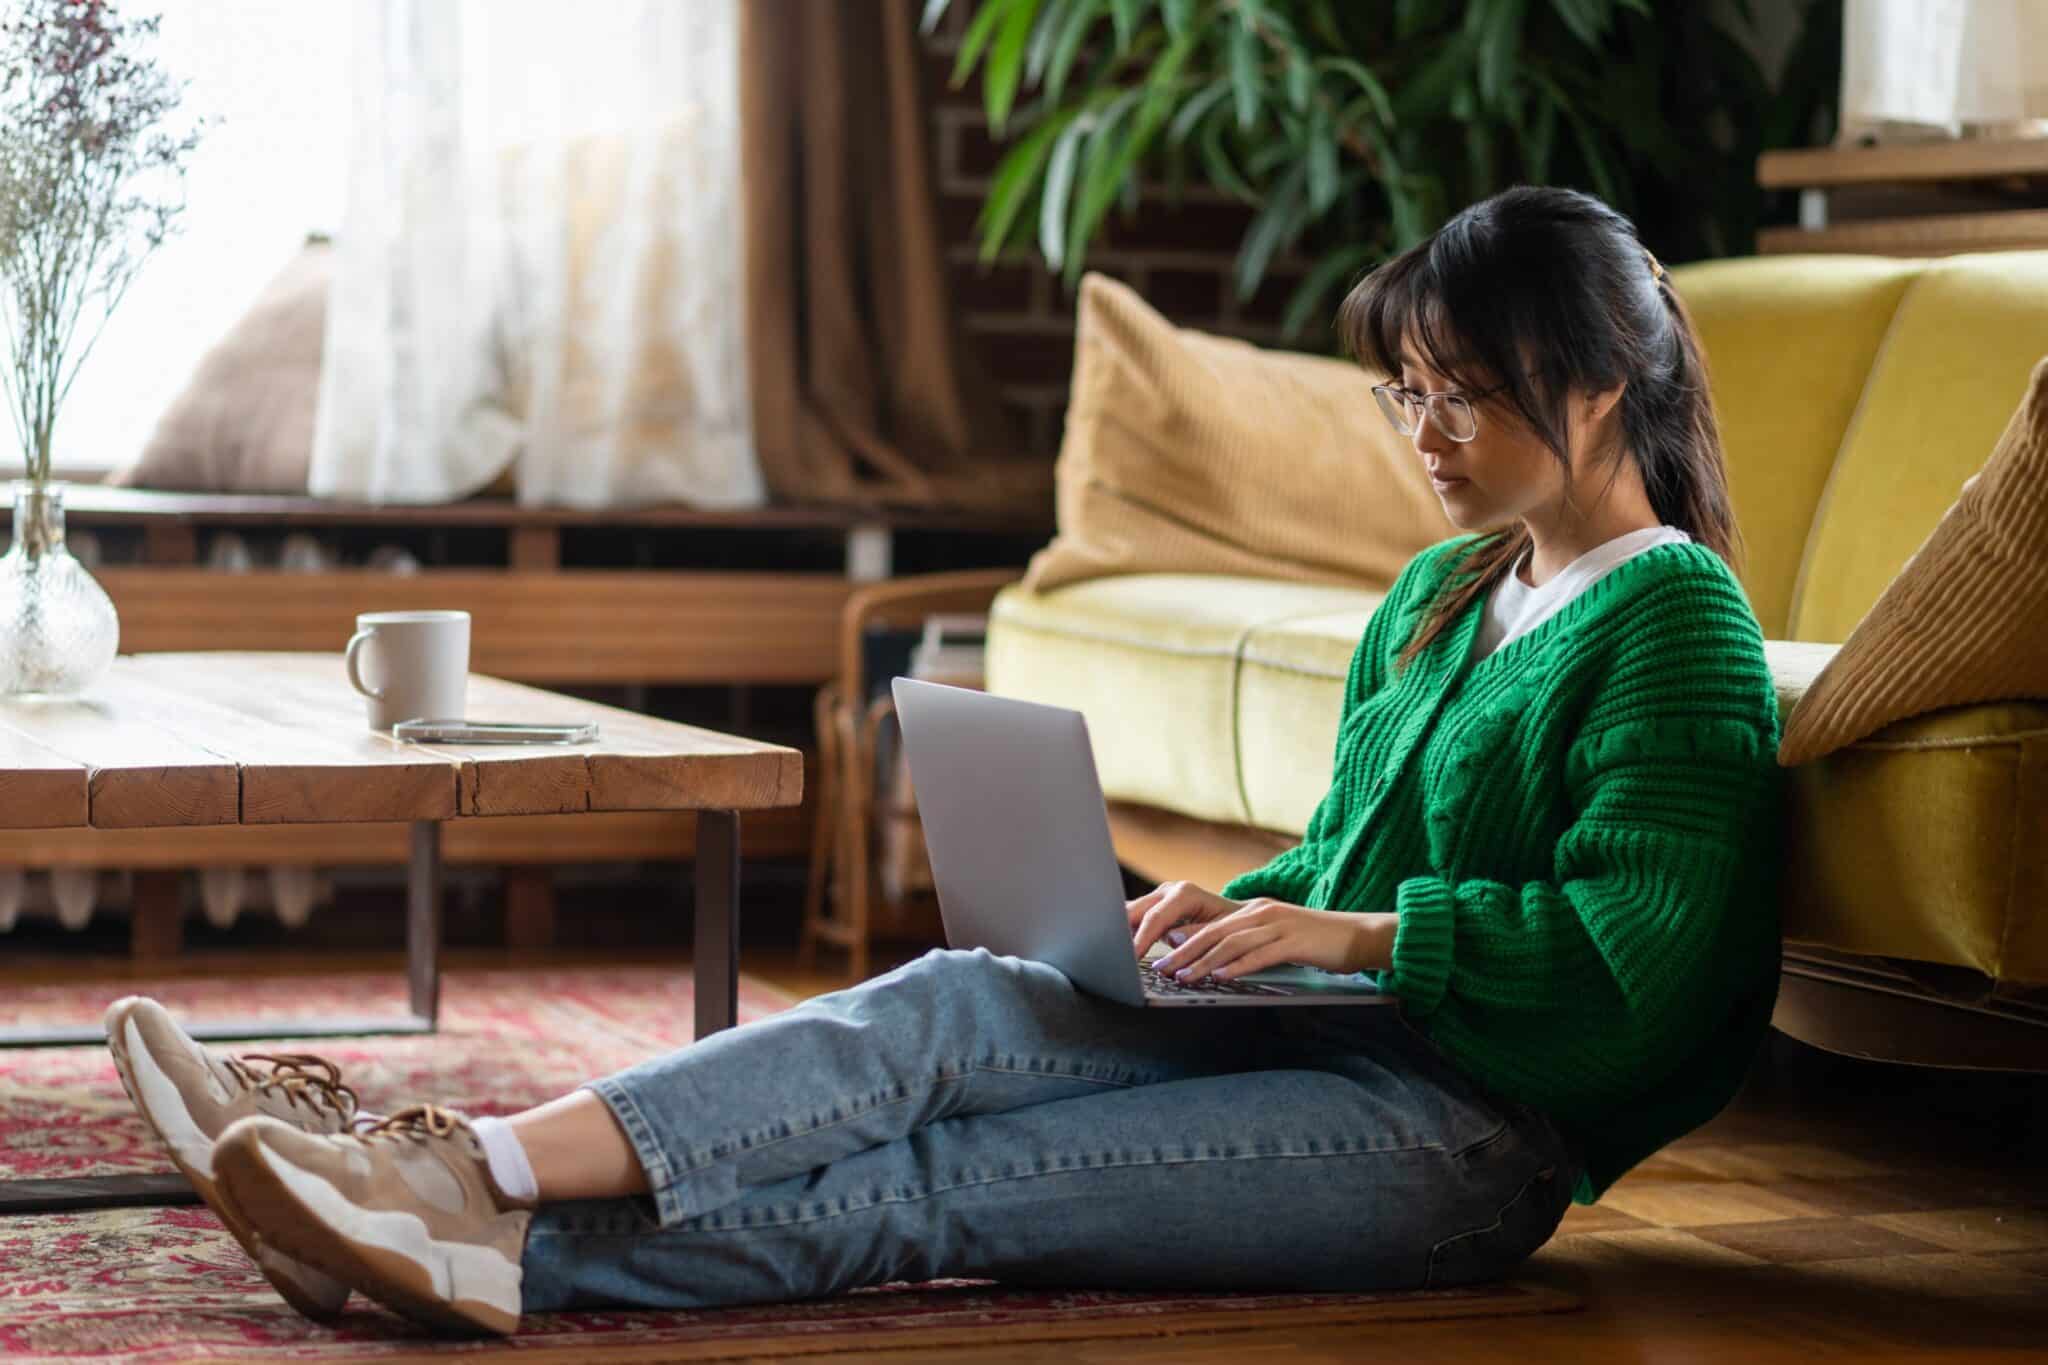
column 863, row 389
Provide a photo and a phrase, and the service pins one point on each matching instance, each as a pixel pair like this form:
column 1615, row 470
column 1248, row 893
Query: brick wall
column 1020, row 316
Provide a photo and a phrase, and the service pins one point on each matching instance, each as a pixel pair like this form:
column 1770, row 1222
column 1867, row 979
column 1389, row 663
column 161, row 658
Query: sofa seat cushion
column 1216, row 697
column 1154, row 662
column 1921, row 840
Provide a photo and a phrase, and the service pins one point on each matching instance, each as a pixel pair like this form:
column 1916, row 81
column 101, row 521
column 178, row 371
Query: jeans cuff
column 668, row 1203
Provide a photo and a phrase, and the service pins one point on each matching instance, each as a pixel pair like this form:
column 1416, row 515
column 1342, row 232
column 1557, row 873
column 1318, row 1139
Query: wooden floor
column 1839, row 1209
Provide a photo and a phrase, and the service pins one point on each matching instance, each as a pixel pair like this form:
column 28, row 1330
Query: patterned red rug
column 163, row 1284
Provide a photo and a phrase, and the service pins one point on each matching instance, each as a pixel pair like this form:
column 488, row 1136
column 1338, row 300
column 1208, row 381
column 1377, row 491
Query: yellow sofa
column 1855, row 394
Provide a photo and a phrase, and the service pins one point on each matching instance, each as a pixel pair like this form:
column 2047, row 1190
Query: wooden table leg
column 157, row 931
column 716, row 966
column 423, row 922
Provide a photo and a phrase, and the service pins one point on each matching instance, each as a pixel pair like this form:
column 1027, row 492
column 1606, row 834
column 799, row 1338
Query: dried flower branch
column 90, row 185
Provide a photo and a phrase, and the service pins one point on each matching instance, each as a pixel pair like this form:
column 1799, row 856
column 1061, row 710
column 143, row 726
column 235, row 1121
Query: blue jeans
column 976, row 1115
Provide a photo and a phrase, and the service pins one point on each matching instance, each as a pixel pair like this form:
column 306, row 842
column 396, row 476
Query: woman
column 1550, row 830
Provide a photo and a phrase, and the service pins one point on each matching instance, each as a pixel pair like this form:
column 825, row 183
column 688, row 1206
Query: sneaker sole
column 386, row 1254
column 303, row 1287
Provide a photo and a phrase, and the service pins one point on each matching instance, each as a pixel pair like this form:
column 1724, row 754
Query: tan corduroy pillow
column 1191, row 453
column 1966, row 619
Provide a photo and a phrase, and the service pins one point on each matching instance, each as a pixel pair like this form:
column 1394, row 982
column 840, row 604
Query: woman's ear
column 1598, row 405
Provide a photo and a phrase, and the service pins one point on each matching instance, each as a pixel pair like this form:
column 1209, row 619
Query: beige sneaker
column 405, row 1211
column 189, row 1095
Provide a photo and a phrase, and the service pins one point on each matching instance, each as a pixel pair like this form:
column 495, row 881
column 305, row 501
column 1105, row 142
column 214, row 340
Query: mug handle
column 350, row 659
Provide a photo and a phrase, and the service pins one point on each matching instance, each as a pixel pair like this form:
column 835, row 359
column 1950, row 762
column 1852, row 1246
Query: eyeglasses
column 1451, row 412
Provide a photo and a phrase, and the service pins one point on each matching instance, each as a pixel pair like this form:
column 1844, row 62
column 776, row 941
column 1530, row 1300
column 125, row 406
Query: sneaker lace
column 415, row 1121
column 301, row 1077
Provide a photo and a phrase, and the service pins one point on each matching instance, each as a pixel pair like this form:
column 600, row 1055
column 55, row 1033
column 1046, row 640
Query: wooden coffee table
column 280, row 738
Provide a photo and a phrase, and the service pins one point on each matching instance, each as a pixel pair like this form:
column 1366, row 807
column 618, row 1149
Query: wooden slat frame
column 95, row 503
column 1960, row 159
column 520, row 840
column 588, row 626
column 1941, row 234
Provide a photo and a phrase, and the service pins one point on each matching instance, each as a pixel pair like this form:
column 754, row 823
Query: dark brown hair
column 1544, row 291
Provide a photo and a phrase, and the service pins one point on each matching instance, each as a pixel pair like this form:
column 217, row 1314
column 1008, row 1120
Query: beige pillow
column 1191, row 453
column 1966, row 619
column 244, row 422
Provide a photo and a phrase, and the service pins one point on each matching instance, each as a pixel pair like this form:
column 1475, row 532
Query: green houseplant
column 1354, row 129
column 90, row 185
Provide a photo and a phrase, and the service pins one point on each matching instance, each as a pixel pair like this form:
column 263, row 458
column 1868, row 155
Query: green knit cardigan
column 1581, row 835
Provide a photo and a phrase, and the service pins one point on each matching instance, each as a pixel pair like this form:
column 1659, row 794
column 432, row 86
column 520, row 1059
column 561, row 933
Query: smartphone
column 492, row 732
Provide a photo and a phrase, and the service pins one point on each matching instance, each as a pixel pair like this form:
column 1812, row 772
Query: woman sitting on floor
column 1551, row 831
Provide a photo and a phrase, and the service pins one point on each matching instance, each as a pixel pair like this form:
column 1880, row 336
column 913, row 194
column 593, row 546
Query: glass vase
column 58, row 631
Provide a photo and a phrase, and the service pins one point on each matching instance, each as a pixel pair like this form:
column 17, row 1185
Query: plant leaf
column 1107, row 171
column 1179, row 13
column 1216, row 161
column 1539, row 135
column 979, row 31
column 1006, row 63
column 1322, row 162
column 1276, row 226
column 1301, row 82
column 1428, row 92
column 1097, row 185
column 1366, row 81
column 1334, row 269
column 1068, row 46
column 1244, row 73
column 1479, row 158
column 1059, row 185
column 1498, row 43
column 1043, row 32
column 1587, row 19
column 1125, row 15
column 1406, row 213
column 1596, row 160
column 1413, row 16
column 1191, row 113
column 1015, row 176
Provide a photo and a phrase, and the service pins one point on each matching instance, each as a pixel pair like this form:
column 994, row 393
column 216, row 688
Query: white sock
column 509, row 1166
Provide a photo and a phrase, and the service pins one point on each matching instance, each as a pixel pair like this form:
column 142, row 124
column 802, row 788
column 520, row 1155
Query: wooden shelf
column 1959, row 159
column 586, row 626
column 1912, row 199
column 1930, row 235
column 90, row 503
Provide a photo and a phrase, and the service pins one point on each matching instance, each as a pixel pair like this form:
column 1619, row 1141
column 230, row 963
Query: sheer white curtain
column 1930, row 68
column 539, row 260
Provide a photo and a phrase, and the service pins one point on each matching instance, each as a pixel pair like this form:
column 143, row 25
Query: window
column 273, row 81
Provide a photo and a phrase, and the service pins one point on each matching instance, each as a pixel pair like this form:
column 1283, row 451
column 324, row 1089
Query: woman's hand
column 1169, row 905
column 1237, row 937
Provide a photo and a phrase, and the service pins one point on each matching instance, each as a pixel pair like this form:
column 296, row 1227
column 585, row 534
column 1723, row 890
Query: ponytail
column 1553, row 276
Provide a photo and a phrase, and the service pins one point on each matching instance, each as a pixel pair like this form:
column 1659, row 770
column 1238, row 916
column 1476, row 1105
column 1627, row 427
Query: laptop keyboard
column 1157, row 984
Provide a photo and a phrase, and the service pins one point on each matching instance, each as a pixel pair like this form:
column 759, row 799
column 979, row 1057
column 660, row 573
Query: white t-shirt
column 1515, row 607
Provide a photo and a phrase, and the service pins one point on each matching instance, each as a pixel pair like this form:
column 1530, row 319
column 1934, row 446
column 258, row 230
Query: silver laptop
column 1019, row 840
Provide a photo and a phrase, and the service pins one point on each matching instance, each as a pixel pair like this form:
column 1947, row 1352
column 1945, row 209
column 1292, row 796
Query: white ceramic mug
column 421, row 665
